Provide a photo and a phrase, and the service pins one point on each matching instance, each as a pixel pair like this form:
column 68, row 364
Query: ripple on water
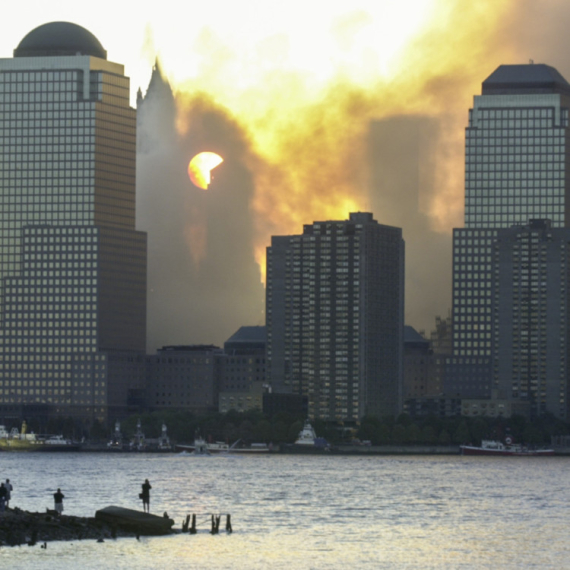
column 309, row 512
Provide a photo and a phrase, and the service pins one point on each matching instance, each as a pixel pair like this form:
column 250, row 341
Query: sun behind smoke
column 307, row 116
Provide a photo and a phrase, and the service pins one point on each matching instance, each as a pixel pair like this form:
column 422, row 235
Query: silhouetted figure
column 58, row 502
column 9, row 490
column 3, row 493
column 145, row 496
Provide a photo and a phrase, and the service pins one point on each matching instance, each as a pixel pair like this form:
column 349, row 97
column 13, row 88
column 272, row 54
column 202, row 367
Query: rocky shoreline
column 18, row 527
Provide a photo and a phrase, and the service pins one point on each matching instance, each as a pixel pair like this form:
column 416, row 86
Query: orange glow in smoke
column 305, row 96
column 200, row 167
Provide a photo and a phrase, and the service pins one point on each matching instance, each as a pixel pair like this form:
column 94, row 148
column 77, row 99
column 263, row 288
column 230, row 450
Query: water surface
column 306, row 512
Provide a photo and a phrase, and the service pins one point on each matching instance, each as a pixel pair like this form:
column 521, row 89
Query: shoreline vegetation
column 388, row 435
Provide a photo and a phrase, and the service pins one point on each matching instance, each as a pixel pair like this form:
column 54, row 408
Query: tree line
column 254, row 426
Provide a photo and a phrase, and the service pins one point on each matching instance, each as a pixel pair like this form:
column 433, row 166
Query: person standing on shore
column 58, row 501
column 9, row 490
column 2, row 497
column 145, row 496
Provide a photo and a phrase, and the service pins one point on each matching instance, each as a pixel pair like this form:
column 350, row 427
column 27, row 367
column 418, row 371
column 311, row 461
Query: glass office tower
column 72, row 266
column 516, row 164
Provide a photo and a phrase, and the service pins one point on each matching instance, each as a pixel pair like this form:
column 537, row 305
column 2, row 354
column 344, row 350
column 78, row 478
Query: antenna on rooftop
column 530, row 61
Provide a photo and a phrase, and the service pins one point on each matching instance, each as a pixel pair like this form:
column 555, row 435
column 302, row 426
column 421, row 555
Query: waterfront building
column 418, row 365
column 184, row 378
column 334, row 310
column 516, row 156
column 530, row 310
column 242, row 370
column 72, row 266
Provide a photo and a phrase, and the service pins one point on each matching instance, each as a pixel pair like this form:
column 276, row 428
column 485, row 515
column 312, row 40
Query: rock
column 19, row 527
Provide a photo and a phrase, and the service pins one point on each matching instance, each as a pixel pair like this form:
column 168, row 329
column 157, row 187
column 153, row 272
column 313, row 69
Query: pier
column 18, row 527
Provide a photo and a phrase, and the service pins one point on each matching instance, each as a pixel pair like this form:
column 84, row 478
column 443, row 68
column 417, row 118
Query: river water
column 306, row 512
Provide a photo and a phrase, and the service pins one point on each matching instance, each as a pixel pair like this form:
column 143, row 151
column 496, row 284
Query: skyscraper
column 72, row 266
column 335, row 308
column 516, row 168
column 530, row 318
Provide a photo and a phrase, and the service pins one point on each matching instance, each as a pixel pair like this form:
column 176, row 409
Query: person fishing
column 58, row 501
column 145, row 496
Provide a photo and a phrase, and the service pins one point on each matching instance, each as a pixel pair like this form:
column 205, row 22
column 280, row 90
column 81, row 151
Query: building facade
column 530, row 307
column 516, row 168
column 242, row 370
column 184, row 378
column 334, row 310
column 72, row 266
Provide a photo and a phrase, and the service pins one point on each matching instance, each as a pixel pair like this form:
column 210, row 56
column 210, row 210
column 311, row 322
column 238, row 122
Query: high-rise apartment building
column 516, row 168
column 531, row 265
column 335, row 300
column 72, row 266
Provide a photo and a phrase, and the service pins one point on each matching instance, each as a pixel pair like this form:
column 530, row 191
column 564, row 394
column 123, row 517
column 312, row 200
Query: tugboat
column 164, row 440
column 307, row 442
column 138, row 441
column 116, row 442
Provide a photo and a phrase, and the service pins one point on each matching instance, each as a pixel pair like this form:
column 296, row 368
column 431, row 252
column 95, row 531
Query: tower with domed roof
column 72, row 265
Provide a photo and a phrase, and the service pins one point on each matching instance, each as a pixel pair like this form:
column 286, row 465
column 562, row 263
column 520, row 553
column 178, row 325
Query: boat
column 252, row 449
column 307, row 442
column 15, row 440
column 58, row 443
column 138, row 443
column 164, row 440
column 116, row 442
column 199, row 447
column 307, row 435
column 490, row 447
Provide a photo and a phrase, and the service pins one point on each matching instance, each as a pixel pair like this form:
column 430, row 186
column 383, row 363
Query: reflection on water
column 307, row 512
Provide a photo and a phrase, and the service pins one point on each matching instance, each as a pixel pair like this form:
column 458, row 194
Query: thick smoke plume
column 298, row 150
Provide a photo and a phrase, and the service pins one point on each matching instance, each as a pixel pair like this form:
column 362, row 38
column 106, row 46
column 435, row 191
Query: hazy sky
column 319, row 108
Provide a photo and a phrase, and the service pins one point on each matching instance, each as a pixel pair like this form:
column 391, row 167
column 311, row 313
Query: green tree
column 428, row 435
column 294, row 430
column 231, row 433
column 444, row 438
column 246, row 430
column 404, row 420
column 533, row 435
column 368, row 431
column 262, row 431
column 479, row 429
column 462, row 435
column 413, row 433
column 399, row 434
column 279, row 432
column 384, row 435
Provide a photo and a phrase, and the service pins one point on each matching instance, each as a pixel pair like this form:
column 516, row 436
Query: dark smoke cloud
column 203, row 281
column 402, row 176
column 395, row 149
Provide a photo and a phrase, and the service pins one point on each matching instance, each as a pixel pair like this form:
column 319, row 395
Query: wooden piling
column 228, row 523
column 186, row 524
column 193, row 527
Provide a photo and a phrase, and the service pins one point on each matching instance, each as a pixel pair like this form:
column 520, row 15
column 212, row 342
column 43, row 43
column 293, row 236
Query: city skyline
column 315, row 148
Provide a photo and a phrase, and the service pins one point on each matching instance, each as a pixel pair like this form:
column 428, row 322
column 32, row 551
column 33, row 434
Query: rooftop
column 59, row 38
column 533, row 78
